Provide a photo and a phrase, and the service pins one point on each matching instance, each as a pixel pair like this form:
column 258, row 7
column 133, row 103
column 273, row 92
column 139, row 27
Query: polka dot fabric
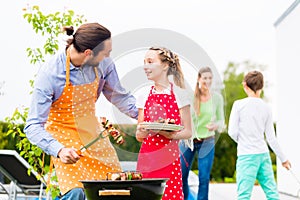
column 72, row 122
column 159, row 156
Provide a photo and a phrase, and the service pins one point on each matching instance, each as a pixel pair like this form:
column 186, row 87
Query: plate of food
column 161, row 124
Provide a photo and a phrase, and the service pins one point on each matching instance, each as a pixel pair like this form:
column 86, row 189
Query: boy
column 250, row 123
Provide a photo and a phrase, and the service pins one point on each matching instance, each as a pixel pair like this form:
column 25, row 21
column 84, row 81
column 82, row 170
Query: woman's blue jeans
column 74, row 194
column 205, row 151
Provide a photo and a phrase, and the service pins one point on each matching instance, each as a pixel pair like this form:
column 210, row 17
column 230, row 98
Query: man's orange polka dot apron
column 73, row 123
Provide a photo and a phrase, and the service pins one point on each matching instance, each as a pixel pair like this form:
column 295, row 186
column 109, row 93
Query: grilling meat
column 128, row 175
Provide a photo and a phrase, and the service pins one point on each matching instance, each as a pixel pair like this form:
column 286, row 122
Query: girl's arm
column 186, row 132
column 141, row 133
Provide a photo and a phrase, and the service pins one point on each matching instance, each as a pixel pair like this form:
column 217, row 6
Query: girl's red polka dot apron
column 73, row 123
column 159, row 156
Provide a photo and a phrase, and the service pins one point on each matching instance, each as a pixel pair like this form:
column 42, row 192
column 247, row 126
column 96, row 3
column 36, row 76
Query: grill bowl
column 152, row 188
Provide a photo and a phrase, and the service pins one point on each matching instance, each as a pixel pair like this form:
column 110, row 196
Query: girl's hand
column 141, row 133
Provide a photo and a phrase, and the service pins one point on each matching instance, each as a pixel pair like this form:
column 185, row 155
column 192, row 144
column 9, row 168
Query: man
column 62, row 119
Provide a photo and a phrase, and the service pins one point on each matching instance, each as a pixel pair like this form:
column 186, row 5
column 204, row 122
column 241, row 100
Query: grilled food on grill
column 128, row 175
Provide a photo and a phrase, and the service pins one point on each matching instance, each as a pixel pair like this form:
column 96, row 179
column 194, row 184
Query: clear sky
column 228, row 30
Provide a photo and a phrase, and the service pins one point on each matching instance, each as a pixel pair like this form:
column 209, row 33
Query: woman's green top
column 210, row 111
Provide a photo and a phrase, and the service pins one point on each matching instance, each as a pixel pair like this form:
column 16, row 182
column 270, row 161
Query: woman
column 208, row 117
column 62, row 118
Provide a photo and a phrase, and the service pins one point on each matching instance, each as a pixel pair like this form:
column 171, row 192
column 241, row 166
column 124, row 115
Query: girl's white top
column 182, row 96
column 251, row 126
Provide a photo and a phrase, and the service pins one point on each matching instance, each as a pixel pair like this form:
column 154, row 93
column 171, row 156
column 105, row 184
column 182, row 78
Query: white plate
column 161, row 126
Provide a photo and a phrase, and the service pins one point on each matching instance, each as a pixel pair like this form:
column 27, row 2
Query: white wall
column 288, row 76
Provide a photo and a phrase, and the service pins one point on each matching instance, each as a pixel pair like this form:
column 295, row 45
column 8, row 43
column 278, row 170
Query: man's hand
column 68, row 155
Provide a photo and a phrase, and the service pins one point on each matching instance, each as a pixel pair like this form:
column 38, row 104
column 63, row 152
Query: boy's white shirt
column 251, row 126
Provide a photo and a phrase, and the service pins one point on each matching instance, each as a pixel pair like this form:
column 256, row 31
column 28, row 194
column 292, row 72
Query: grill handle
column 118, row 192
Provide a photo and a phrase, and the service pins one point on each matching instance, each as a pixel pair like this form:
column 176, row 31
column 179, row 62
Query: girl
column 159, row 153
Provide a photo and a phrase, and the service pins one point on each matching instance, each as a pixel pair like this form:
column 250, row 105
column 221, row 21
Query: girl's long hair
column 167, row 56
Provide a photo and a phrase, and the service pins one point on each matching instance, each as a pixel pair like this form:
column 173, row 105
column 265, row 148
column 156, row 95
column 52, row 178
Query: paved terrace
column 218, row 191
column 226, row 191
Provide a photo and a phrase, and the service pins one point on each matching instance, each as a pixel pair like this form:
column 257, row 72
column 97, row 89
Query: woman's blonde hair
column 197, row 93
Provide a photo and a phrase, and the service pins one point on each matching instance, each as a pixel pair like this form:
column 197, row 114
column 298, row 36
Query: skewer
column 294, row 175
column 296, row 178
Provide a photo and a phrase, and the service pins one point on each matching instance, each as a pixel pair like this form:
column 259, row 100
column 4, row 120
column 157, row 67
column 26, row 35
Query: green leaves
column 48, row 28
column 35, row 55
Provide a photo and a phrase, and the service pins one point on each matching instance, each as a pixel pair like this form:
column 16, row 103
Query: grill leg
column 12, row 191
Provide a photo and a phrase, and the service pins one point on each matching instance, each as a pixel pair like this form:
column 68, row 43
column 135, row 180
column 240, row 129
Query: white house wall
column 288, row 81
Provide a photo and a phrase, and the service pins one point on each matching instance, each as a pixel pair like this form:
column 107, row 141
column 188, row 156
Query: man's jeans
column 74, row 194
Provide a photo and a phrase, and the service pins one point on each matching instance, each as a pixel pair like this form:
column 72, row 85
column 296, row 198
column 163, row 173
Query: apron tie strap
column 68, row 67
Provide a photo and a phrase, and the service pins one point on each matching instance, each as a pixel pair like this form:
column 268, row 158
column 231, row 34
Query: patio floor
column 227, row 191
column 217, row 191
